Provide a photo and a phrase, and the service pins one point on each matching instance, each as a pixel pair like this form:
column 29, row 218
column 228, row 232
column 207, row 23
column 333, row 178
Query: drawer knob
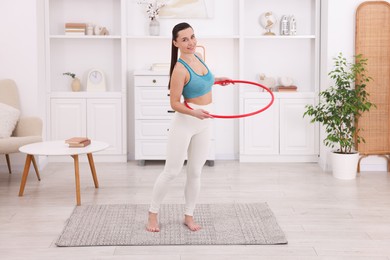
column 171, row 111
column 154, row 81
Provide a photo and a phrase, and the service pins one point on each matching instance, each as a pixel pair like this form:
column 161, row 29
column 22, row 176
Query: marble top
column 59, row 147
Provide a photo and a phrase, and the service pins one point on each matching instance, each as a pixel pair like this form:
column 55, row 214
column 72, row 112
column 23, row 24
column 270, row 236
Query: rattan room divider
column 372, row 40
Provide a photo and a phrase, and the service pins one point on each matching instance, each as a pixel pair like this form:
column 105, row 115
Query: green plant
column 73, row 75
column 340, row 105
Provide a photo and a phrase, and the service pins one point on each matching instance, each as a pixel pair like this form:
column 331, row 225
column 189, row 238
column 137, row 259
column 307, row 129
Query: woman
column 190, row 129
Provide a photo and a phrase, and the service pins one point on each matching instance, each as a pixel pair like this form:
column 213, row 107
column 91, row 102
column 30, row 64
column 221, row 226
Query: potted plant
column 338, row 109
column 76, row 84
column 153, row 8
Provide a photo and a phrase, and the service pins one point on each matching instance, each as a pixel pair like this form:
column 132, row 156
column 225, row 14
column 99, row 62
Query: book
column 76, row 140
column 75, row 25
column 81, row 144
column 287, row 88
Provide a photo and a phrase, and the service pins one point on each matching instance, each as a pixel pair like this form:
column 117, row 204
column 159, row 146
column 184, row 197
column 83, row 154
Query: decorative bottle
column 284, row 25
column 292, row 25
column 154, row 27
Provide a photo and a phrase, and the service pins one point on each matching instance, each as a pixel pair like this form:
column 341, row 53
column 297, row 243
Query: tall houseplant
column 338, row 109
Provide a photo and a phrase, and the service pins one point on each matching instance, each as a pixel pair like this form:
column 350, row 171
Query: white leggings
column 188, row 137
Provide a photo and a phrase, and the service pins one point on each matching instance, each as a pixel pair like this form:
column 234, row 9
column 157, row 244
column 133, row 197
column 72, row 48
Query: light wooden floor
column 324, row 218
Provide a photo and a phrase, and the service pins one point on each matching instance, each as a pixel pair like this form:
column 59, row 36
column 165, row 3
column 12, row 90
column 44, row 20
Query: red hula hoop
column 248, row 114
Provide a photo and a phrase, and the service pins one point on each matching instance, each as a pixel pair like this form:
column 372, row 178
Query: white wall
column 22, row 59
column 338, row 35
column 19, row 52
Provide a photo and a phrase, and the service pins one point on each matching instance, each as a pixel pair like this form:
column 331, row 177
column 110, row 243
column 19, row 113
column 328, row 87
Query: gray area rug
column 124, row 225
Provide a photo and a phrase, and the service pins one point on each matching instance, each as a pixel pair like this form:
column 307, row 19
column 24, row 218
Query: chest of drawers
column 153, row 114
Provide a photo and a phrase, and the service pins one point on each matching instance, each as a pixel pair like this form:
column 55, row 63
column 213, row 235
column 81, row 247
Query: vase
column 76, row 84
column 154, row 27
column 344, row 166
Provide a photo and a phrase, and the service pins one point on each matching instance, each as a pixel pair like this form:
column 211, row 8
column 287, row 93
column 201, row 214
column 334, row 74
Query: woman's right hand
column 201, row 114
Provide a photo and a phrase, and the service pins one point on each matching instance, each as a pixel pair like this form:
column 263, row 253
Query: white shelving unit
column 98, row 115
column 235, row 47
column 280, row 134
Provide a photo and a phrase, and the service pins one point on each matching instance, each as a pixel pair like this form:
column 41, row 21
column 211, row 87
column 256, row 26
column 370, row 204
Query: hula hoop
column 247, row 114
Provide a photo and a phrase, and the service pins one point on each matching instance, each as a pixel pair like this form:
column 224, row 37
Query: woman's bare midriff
column 202, row 100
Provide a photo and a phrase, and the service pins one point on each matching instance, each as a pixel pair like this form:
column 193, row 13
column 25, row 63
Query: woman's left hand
column 224, row 81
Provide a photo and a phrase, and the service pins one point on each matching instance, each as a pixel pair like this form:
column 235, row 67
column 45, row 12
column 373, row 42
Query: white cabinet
column 68, row 118
column 153, row 114
column 98, row 119
column 280, row 133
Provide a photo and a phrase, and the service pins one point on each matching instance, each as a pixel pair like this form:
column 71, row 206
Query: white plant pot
column 344, row 166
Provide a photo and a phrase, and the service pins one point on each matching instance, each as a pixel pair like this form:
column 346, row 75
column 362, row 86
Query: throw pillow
column 9, row 116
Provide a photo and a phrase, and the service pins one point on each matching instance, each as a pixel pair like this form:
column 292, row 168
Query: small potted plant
column 153, row 9
column 338, row 109
column 76, row 84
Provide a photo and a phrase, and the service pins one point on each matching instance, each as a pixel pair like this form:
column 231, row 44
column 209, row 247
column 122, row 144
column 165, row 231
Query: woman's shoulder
column 179, row 70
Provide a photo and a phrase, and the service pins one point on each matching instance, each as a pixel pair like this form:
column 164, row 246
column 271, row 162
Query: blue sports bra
column 198, row 85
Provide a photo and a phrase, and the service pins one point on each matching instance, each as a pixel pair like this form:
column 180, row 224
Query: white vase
column 76, row 85
column 154, row 27
column 344, row 166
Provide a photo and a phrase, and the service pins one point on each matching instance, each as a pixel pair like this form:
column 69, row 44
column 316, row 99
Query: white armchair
column 27, row 130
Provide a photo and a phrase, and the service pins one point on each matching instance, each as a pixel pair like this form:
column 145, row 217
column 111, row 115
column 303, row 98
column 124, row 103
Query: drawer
column 151, row 94
column 150, row 81
column 150, row 149
column 157, row 149
column 152, row 129
column 153, row 111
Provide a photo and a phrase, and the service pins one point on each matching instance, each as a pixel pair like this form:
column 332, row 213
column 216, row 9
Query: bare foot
column 189, row 222
column 152, row 225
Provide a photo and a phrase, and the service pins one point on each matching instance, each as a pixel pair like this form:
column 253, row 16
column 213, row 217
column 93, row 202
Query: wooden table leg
column 93, row 170
column 25, row 174
column 36, row 168
column 77, row 177
column 8, row 163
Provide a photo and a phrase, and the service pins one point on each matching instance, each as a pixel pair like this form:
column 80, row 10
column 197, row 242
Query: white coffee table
column 61, row 148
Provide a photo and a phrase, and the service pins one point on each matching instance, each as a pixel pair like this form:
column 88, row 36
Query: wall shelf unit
column 235, row 47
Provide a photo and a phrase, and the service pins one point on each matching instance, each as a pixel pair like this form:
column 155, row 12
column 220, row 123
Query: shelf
column 84, row 36
column 143, row 37
column 281, row 37
column 85, row 94
column 279, row 95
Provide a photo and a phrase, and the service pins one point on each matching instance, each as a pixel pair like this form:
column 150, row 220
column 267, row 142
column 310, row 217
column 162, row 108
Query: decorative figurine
column 267, row 21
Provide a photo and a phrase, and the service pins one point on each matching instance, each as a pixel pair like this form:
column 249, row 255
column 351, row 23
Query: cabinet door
column 297, row 135
column 68, row 118
column 105, row 123
column 261, row 132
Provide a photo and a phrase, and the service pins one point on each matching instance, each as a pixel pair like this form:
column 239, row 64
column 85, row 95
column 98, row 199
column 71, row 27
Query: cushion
column 9, row 116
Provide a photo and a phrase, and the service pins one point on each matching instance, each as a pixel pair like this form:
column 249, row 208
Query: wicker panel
column 373, row 41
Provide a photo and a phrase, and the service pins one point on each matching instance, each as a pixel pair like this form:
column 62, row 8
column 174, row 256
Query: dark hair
column 175, row 31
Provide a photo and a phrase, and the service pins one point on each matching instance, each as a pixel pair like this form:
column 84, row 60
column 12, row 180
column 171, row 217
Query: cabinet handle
column 168, row 95
column 154, row 81
column 171, row 111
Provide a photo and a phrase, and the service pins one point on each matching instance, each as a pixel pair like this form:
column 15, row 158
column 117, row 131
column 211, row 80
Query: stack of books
column 78, row 141
column 75, row 28
column 287, row 88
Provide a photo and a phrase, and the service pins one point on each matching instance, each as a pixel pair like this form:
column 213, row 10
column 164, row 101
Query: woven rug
column 124, row 225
